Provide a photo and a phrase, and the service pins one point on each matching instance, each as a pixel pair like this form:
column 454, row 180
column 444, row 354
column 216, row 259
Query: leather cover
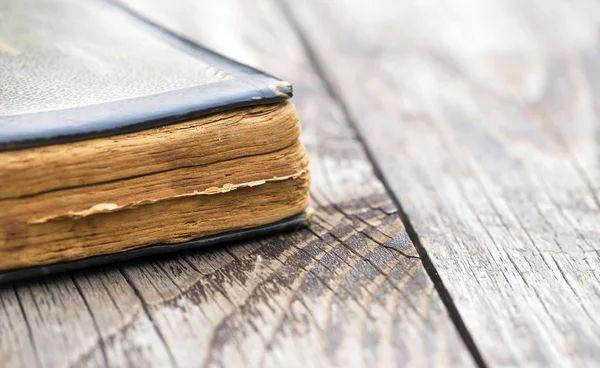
column 76, row 69
column 72, row 69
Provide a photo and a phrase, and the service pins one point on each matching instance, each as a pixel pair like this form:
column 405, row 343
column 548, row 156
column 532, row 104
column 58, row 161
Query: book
column 119, row 139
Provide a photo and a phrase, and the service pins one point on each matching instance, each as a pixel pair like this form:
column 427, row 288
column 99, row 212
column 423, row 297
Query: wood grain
column 348, row 291
column 483, row 118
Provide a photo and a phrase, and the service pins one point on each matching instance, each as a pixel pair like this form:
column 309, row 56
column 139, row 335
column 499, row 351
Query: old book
column 120, row 139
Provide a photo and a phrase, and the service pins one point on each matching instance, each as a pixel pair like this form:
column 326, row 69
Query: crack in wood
column 428, row 264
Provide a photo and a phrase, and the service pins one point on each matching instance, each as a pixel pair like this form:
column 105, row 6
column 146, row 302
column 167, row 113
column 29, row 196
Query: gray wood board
column 348, row 291
column 483, row 119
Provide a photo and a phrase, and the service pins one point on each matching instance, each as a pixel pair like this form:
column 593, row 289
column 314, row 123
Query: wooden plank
column 350, row 290
column 483, row 119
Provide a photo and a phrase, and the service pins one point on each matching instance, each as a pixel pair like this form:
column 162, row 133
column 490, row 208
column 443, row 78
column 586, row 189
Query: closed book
column 119, row 139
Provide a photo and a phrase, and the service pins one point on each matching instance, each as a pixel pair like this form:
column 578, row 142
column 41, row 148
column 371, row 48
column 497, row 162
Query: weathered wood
column 483, row 119
column 348, row 291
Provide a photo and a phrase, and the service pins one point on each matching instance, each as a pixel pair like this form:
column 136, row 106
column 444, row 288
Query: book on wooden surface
column 120, row 139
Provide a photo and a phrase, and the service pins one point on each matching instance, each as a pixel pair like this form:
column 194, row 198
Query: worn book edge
column 288, row 224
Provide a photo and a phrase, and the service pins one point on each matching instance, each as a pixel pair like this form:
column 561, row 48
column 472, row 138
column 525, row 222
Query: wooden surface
column 483, row 120
column 480, row 117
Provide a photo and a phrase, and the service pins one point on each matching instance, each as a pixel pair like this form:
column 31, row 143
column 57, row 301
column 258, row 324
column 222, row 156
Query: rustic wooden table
column 454, row 155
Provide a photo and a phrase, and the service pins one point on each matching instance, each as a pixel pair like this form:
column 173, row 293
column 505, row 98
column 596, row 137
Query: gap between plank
column 410, row 230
